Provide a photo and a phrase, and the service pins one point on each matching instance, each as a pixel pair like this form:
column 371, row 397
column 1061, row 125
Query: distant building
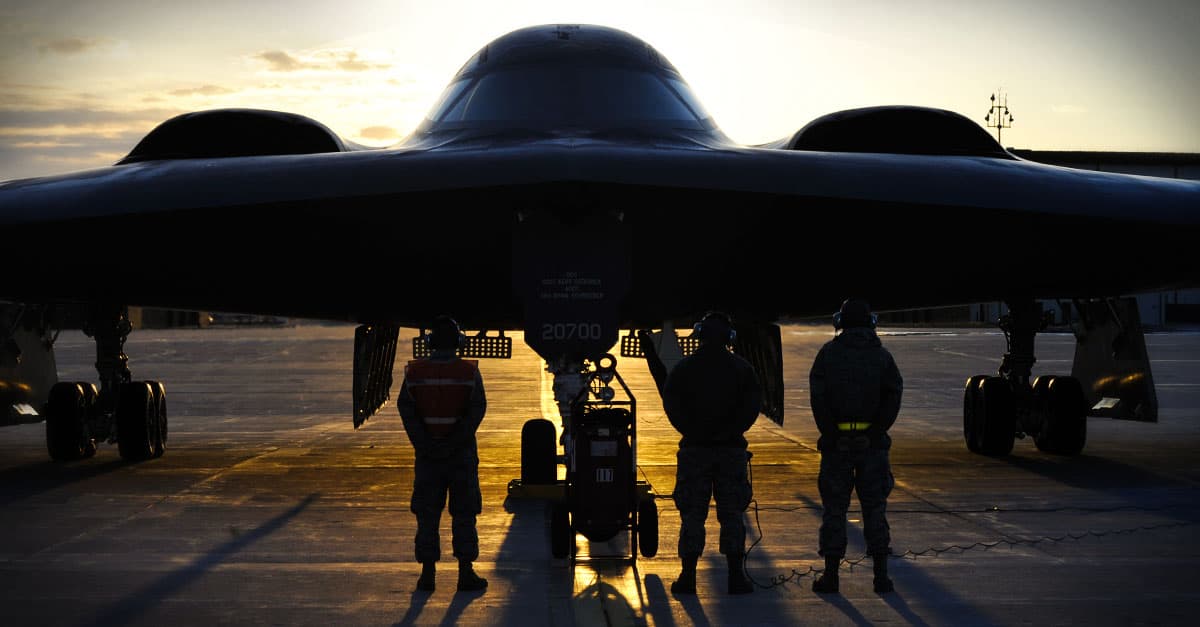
column 1171, row 165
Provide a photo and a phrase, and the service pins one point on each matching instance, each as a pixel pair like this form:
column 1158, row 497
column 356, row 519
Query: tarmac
column 269, row 508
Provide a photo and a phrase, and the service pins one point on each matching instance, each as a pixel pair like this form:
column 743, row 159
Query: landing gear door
column 27, row 366
column 1111, row 360
column 761, row 345
column 571, row 279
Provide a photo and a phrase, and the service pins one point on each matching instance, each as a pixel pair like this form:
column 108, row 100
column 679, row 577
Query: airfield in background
column 269, row 508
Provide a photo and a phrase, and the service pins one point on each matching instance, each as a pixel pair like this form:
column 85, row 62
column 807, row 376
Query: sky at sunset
column 82, row 81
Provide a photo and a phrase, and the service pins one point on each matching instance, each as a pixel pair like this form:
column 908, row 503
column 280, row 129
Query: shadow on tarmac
column 523, row 568
column 695, row 611
column 658, row 603
column 899, row 606
column 416, row 604
column 616, row 608
column 1137, row 487
column 846, row 607
column 23, row 482
column 950, row 607
column 458, row 605
column 128, row 610
column 1090, row 473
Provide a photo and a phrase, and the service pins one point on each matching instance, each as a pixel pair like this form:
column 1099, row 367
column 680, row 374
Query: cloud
column 25, row 96
column 321, row 60
column 351, row 63
column 203, row 90
column 379, row 132
column 69, row 45
column 1068, row 109
column 43, row 142
column 22, row 157
column 14, row 121
column 30, row 86
column 281, row 61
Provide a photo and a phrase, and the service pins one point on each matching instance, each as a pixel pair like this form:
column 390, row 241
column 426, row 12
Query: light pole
column 999, row 110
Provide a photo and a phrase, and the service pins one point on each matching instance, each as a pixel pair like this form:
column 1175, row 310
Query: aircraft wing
column 342, row 235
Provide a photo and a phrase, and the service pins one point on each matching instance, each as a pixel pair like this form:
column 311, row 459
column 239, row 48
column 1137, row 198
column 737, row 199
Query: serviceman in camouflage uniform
column 855, row 393
column 442, row 403
column 712, row 397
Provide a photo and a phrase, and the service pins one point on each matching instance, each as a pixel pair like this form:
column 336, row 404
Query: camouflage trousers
column 867, row 471
column 700, row 475
column 433, row 478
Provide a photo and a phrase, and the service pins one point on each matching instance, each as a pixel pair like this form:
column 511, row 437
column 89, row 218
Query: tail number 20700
column 571, row 331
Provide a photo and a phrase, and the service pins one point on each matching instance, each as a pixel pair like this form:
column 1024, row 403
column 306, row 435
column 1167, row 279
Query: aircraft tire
column 561, row 536
column 647, row 531
column 971, row 413
column 997, row 421
column 538, row 449
column 90, row 396
column 66, row 424
column 136, row 422
column 1064, row 430
column 159, row 443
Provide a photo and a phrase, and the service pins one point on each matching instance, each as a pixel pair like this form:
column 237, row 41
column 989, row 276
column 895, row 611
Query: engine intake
column 234, row 133
column 897, row 129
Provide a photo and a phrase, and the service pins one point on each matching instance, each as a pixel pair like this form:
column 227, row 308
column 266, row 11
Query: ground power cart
column 601, row 495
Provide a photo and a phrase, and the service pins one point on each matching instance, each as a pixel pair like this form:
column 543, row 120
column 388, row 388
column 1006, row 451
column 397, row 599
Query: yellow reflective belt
column 853, row 426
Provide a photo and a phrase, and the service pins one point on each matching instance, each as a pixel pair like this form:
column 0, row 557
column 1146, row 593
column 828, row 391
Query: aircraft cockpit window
column 570, row 97
column 448, row 99
column 688, row 97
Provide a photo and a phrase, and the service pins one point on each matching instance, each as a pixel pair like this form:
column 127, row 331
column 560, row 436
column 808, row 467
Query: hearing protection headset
column 854, row 313
column 717, row 318
column 442, row 330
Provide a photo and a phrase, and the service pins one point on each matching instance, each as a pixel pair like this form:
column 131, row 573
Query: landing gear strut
column 131, row 413
column 997, row 409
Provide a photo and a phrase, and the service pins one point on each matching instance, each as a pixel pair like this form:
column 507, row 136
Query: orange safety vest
column 442, row 391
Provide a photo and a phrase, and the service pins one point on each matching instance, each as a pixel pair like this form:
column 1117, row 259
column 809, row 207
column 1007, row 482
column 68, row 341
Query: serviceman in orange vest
column 442, row 404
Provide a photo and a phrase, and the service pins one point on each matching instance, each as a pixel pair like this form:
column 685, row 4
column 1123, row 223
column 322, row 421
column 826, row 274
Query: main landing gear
column 131, row 413
column 997, row 409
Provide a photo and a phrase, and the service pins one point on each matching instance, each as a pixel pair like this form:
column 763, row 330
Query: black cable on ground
column 797, row 575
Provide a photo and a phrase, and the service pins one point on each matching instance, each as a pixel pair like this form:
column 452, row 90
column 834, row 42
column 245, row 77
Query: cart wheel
column 538, row 464
column 648, row 527
column 561, row 537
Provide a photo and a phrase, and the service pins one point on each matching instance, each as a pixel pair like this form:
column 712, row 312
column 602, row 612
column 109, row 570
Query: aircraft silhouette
column 569, row 183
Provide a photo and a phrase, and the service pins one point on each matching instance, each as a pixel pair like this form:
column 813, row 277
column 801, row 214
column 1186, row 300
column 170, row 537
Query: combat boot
column 883, row 584
column 738, row 584
column 468, row 581
column 827, row 583
column 686, row 582
column 425, row 581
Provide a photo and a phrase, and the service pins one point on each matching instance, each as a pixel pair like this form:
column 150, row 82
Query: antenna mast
column 999, row 111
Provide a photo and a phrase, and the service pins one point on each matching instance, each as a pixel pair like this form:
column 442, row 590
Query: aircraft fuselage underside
column 662, row 253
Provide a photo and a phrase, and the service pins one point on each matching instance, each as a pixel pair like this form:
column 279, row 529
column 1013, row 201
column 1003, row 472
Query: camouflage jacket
column 711, row 398
column 855, row 379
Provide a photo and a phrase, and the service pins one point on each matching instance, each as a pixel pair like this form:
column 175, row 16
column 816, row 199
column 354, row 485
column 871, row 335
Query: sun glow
column 81, row 82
